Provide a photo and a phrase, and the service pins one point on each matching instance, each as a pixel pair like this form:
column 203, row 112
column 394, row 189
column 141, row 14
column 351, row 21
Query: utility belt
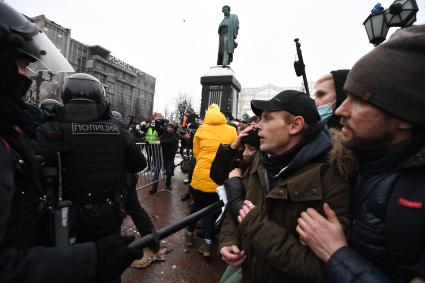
column 114, row 195
column 96, row 216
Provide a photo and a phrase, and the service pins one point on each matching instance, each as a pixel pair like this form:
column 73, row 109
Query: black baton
column 173, row 228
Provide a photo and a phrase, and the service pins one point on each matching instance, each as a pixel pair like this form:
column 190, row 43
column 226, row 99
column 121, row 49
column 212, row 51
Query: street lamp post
column 375, row 26
column 401, row 13
column 300, row 66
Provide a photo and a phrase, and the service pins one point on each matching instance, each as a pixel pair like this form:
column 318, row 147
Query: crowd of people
column 329, row 189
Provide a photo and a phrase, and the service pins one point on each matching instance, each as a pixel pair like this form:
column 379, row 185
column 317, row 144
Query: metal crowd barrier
column 155, row 160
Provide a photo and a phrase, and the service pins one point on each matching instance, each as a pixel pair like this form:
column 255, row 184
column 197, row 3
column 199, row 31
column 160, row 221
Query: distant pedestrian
column 169, row 142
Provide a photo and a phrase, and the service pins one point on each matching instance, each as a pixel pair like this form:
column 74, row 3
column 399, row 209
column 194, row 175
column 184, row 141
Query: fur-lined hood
column 341, row 156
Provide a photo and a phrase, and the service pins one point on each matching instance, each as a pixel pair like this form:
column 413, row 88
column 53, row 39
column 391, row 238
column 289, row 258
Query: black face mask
column 22, row 85
column 12, row 83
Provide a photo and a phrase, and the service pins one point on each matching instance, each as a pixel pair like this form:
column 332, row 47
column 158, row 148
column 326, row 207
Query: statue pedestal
column 220, row 86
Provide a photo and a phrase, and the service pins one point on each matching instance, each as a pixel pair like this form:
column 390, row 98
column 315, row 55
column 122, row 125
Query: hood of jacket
column 214, row 116
column 341, row 156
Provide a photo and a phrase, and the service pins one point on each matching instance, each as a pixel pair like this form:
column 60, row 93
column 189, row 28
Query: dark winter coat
column 387, row 239
column 21, row 260
column 169, row 144
column 267, row 234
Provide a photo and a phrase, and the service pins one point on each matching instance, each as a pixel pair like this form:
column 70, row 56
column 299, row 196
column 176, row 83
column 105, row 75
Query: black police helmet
column 49, row 104
column 116, row 115
column 82, row 86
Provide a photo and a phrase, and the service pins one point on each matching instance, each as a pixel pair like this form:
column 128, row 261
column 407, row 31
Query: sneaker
column 186, row 181
column 152, row 191
column 190, row 241
column 205, row 249
column 168, row 189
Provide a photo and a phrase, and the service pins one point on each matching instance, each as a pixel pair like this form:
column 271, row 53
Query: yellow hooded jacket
column 207, row 139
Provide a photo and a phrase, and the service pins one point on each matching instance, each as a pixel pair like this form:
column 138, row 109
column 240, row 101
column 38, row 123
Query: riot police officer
column 96, row 154
column 22, row 259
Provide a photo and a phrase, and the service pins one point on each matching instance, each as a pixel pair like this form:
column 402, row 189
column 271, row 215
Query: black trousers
column 201, row 200
column 133, row 208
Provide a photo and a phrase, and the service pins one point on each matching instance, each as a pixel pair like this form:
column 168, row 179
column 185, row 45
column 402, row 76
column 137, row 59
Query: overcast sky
column 177, row 41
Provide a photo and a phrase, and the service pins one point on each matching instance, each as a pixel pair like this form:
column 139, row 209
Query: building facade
column 265, row 92
column 129, row 90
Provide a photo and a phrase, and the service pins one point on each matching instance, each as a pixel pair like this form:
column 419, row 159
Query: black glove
column 235, row 195
column 114, row 256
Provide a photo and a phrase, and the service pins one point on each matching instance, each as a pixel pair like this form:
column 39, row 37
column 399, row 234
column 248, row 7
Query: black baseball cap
column 292, row 101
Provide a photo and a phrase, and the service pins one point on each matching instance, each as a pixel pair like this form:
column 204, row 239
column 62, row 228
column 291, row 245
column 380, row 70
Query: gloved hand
column 114, row 256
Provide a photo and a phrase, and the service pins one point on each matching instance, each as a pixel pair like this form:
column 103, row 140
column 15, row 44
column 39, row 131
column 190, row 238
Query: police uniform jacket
column 50, row 139
column 22, row 258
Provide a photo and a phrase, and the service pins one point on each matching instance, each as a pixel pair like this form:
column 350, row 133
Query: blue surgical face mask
column 325, row 111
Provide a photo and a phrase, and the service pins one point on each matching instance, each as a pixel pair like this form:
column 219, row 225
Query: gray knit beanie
column 392, row 76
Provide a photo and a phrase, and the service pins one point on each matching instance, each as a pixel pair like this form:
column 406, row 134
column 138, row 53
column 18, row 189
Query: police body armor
column 94, row 176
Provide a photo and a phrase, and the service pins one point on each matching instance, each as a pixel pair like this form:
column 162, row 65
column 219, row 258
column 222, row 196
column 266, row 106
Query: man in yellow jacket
column 208, row 137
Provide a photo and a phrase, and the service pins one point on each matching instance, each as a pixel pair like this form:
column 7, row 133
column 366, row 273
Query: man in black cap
column 290, row 172
column 383, row 121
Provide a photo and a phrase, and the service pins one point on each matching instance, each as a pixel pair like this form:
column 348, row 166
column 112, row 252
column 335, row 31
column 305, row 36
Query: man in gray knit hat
column 383, row 121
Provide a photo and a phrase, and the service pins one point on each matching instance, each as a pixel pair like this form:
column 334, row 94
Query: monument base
column 220, row 86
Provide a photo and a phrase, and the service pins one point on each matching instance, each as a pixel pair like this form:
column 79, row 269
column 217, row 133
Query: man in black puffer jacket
column 383, row 121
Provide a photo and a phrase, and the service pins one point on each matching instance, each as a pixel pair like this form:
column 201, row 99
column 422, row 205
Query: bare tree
column 167, row 112
column 183, row 102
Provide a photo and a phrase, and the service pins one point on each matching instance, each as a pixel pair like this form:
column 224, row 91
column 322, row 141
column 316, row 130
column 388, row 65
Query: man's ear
column 297, row 125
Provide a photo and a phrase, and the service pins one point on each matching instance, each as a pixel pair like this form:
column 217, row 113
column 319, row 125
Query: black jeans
column 201, row 200
column 169, row 171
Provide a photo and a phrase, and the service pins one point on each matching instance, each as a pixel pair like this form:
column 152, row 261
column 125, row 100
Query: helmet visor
column 47, row 57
